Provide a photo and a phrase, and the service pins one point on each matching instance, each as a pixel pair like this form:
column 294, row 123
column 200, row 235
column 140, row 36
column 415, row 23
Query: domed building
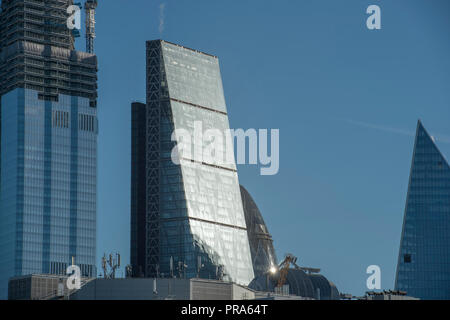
column 303, row 284
column 300, row 284
column 328, row 290
column 261, row 243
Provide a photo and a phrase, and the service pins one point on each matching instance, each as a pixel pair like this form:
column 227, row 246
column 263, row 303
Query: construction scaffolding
column 37, row 51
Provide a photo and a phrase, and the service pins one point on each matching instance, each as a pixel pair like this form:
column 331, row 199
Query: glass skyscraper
column 261, row 243
column 48, row 143
column 193, row 224
column 423, row 269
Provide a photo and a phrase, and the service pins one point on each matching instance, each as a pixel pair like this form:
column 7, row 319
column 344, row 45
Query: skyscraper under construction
column 48, row 143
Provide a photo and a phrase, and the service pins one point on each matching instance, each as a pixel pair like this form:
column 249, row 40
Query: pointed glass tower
column 261, row 243
column 423, row 269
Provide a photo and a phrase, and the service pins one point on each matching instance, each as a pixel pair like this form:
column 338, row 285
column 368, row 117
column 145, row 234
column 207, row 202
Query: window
column 60, row 119
column 407, row 258
column 86, row 122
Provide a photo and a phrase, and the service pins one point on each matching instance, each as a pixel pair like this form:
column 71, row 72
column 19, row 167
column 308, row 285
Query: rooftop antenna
column 90, row 7
column 199, row 265
column 109, row 265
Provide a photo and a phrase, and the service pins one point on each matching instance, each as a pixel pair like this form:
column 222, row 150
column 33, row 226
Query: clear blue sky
column 346, row 101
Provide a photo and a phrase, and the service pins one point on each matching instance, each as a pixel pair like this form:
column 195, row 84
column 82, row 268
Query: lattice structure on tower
column 155, row 66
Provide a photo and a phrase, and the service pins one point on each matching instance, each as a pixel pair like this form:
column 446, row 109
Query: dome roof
column 328, row 290
column 300, row 284
column 261, row 243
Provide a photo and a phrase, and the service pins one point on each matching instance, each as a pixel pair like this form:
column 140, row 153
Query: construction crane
column 289, row 260
column 90, row 7
column 284, row 268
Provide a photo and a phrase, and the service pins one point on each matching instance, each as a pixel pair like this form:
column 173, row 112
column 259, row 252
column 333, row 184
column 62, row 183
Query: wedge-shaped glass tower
column 194, row 219
column 423, row 269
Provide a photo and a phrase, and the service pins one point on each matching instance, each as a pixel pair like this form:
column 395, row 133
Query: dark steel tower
column 138, row 188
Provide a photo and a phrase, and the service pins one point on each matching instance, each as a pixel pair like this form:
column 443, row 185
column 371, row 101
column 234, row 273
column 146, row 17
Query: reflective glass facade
column 423, row 269
column 261, row 243
column 48, row 99
column 48, row 185
column 194, row 210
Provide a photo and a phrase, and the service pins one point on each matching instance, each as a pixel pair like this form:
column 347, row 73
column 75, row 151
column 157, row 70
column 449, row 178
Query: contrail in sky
column 439, row 137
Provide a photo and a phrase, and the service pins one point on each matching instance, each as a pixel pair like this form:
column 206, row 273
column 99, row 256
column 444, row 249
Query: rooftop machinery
column 90, row 7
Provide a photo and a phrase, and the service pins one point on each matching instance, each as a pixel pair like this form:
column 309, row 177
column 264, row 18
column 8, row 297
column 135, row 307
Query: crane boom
column 289, row 260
